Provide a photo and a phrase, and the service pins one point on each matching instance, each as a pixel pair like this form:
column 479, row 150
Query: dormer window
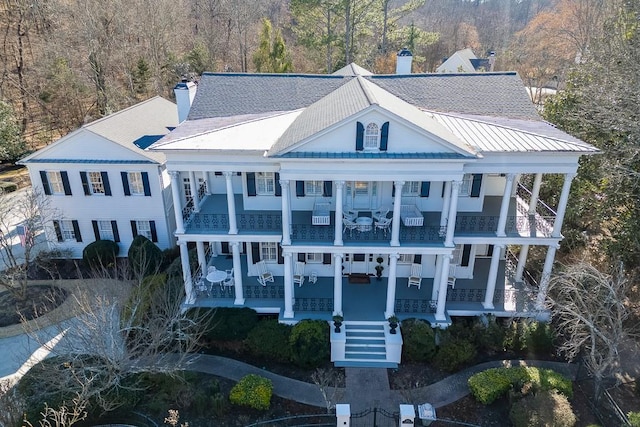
column 371, row 137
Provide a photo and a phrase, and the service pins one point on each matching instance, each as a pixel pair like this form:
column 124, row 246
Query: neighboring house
column 283, row 177
column 465, row 61
column 102, row 184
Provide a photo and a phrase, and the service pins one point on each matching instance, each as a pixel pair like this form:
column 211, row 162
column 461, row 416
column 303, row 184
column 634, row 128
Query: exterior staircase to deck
column 365, row 346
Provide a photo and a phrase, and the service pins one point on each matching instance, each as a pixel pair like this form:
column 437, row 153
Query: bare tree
column 590, row 309
column 328, row 381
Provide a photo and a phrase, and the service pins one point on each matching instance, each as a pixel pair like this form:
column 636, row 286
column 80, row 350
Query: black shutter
column 466, row 254
column 300, row 188
column 393, row 189
column 56, row 226
column 255, row 252
column 490, row 250
column 145, row 184
column 105, row 182
column 154, row 232
column 425, row 186
column 85, row 183
column 114, row 228
column 96, row 231
column 384, row 136
column 45, row 183
column 217, row 173
column 125, row 184
column 417, row 259
column 327, row 189
column 134, row 228
column 76, row 230
column 326, row 258
column 224, row 248
column 277, row 184
column 65, row 183
column 444, row 185
column 251, row 184
column 301, row 257
column 280, row 257
column 359, row 136
column 475, row 185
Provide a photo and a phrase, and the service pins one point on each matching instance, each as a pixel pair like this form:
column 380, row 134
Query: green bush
column 101, row 253
column 546, row 408
column 270, row 339
column 7, row 187
column 453, row 354
column 309, row 343
column 144, row 257
column 230, row 324
column 142, row 298
column 489, row 385
column 540, row 338
column 419, row 344
column 516, row 336
column 174, row 269
column 253, row 391
column 634, row 419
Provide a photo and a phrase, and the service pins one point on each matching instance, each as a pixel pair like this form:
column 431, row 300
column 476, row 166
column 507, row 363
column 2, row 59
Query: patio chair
column 264, row 275
column 350, row 214
column 380, row 214
column 451, row 279
column 229, row 282
column 229, row 273
column 298, row 274
column 415, row 278
column 383, row 224
column 202, row 288
column 211, row 269
column 349, row 225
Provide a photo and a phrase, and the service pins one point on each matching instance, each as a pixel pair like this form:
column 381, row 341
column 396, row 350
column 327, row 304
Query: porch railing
column 520, row 298
column 313, row 304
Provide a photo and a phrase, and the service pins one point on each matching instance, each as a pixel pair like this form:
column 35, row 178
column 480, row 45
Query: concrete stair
column 365, row 346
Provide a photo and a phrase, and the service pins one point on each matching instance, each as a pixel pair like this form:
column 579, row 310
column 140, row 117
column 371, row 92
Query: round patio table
column 364, row 223
column 217, row 276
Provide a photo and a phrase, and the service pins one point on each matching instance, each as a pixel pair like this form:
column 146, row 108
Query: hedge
column 253, row 391
column 489, row 385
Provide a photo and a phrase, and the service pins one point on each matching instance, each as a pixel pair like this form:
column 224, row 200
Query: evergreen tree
column 12, row 144
column 272, row 55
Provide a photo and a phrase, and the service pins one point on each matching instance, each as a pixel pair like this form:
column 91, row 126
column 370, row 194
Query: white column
column 237, row 273
column 453, row 212
column 391, row 285
column 395, row 224
column 186, row 273
column 212, row 250
column 286, row 218
column 231, row 204
column 193, row 184
column 442, row 288
column 202, row 259
column 492, row 277
column 207, row 177
column 288, row 286
column 522, row 260
column 445, row 204
column 436, row 277
column 535, row 192
column 337, row 284
column 562, row 204
column 504, row 207
column 514, row 187
column 338, row 216
column 177, row 200
column 546, row 276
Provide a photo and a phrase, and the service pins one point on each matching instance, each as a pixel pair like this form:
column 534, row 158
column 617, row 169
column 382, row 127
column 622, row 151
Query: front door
column 359, row 263
column 361, row 194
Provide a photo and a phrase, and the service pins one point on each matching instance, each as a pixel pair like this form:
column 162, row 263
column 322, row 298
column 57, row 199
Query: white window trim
column 136, row 185
column 55, row 180
column 370, row 137
column 266, row 180
column 143, row 228
column 314, row 257
column 270, row 249
column 105, row 229
column 67, row 231
column 313, row 188
column 93, row 183
column 411, row 188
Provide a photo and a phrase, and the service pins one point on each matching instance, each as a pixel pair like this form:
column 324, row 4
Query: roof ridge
column 371, row 99
column 119, row 112
column 330, row 76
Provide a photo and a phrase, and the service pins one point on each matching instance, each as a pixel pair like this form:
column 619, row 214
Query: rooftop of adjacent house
column 136, row 128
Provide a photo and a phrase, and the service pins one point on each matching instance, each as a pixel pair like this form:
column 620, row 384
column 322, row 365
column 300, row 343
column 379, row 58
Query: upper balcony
column 213, row 219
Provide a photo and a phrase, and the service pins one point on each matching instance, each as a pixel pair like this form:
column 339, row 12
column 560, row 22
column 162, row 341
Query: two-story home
column 102, row 183
column 366, row 196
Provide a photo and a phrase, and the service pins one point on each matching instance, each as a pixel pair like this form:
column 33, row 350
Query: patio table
column 364, row 223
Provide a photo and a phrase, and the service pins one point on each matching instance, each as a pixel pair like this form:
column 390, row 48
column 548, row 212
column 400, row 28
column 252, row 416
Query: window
column 313, row 188
column 314, row 257
column 136, row 186
column 96, row 185
column 55, row 182
column 187, row 190
column 144, row 229
column 105, row 230
column 269, row 251
column 66, row 229
column 465, row 188
column 371, row 136
column 405, row 259
column 265, row 183
column 411, row 188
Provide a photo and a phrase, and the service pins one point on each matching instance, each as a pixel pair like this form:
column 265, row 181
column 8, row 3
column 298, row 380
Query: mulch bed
column 39, row 300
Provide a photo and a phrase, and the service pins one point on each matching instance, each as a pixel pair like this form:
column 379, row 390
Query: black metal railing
column 313, row 304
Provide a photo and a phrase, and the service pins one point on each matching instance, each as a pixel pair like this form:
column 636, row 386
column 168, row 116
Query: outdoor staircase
column 365, row 346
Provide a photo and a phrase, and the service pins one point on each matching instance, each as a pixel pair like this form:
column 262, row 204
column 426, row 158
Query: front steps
column 365, row 346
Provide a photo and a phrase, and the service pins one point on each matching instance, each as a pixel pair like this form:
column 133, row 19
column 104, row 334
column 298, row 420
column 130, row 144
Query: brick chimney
column 403, row 61
column 185, row 91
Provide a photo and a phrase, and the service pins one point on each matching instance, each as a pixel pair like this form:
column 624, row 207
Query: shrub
column 231, row 324
column 634, row 419
column 419, row 344
column 101, row 253
column 516, row 336
column 540, row 338
column 487, row 386
column 7, row 187
column 309, row 343
column 270, row 339
column 454, row 353
column 253, row 391
column 175, row 267
column 144, row 256
column 546, row 408
column 142, row 298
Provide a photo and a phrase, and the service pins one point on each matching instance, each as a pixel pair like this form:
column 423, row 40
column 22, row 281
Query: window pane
column 371, row 136
column 144, row 229
column 66, row 228
column 265, row 183
column 106, row 232
column 269, row 251
column 465, row 188
column 95, row 182
column 135, row 183
column 411, row 188
column 55, row 182
column 313, row 188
